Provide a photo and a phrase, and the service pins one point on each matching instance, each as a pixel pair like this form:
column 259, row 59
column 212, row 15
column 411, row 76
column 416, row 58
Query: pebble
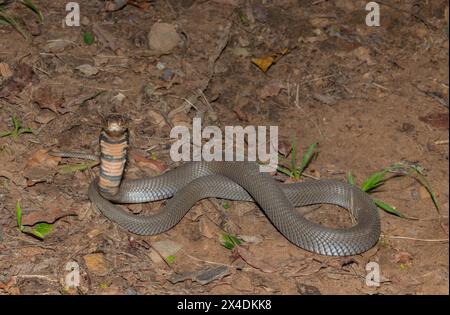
column 163, row 37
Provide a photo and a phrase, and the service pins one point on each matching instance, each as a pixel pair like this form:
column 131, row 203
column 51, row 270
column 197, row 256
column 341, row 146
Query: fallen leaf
column 403, row 257
column 105, row 37
column 271, row 89
column 40, row 167
column 96, row 264
column 47, row 98
column 437, row 120
column 72, row 105
column 5, row 70
column 250, row 259
column 15, row 178
column 263, row 63
column 155, row 165
column 53, row 208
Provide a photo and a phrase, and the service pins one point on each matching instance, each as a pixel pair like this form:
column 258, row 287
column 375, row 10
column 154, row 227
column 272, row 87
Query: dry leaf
column 40, row 167
column 271, row 89
column 263, row 63
column 437, row 120
column 96, row 264
column 155, row 165
column 5, row 70
column 250, row 259
column 52, row 209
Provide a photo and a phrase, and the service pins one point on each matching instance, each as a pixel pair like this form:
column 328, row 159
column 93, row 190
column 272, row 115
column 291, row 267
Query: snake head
column 115, row 125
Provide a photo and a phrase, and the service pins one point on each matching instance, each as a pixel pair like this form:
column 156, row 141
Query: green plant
column 230, row 241
column 294, row 171
column 6, row 18
column 378, row 179
column 88, row 38
column 39, row 230
column 17, row 131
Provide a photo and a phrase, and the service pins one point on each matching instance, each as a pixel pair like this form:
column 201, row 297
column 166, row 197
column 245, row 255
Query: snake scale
column 191, row 182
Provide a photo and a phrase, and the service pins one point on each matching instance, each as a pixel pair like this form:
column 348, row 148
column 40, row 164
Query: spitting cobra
column 191, row 182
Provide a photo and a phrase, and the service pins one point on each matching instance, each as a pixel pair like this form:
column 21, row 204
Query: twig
column 415, row 239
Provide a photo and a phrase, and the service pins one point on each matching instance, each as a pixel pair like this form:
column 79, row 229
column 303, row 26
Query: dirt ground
column 371, row 97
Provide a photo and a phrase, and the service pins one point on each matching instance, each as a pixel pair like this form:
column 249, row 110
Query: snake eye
column 115, row 125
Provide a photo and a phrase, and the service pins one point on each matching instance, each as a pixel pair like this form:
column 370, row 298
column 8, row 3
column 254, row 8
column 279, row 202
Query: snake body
column 191, row 182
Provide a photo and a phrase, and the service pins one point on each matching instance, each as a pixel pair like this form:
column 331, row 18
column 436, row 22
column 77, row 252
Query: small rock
column 96, row 263
column 87, row 70
column 240, row 52
column 166, row 248
column 305, row 289
column 167, row 74
column 160, row 66
column 163, row 37
column 57, row 45
column 131, row 291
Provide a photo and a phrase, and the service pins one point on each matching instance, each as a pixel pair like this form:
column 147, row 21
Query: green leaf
column 284, row 170
column 42, row 229
column 230, row 241
column 228, row 245
column 5, row 134
column 19, row 215
column 424, row 182
column 34, row 8
column 350, row 178
column 374, row 181
column 88, row 38
column 243, row 17
column 72, row 168
column 11, row 21
column 226, row 205
column 170, row 259
column 391, row 209
column 307, row 157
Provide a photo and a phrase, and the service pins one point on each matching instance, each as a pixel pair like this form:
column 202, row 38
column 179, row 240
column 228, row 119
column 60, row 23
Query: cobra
column 191, row 182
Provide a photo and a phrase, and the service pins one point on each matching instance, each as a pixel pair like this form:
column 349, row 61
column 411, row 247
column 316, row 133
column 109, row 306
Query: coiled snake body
column 193, row 181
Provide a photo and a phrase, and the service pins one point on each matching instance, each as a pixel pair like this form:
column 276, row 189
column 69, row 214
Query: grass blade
column 34, row 8
column 374, row 181
column 391, row 209
column 350, row 178
column 19, row 215
column 307, row 157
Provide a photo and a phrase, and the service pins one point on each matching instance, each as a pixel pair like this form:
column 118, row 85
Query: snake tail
column 113, row 154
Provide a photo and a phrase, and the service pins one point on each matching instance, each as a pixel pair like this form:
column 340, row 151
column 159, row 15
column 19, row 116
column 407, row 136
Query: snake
column 233, row 180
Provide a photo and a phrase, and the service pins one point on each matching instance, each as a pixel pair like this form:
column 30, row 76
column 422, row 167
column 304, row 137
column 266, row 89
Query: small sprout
column 170, row 259
column 17, row 131
column 350, row 178
column 39, row 230
column 229, row 241
column 88, row 38
column 295, row 172
column 403, row 266
column 72, row 168
column 378, row 179
column 226, row 205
